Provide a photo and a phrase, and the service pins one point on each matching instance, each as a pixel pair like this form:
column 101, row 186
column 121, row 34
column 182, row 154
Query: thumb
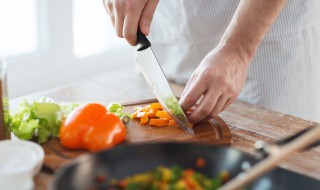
column 147, row 15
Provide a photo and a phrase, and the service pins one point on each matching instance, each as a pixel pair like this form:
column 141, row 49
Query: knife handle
column 143, row 42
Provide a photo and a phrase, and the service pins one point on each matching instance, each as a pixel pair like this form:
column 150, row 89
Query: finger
column 147, row 15
column 130, row 27
column 119, row 25
column 109, row 9
column 119, row 17
column 220, row 104
column 204, row 109
column 213, row 113
column 227, row 104
column 112, row 20
column 192, row 95
column 189, row 83
column 108, row 6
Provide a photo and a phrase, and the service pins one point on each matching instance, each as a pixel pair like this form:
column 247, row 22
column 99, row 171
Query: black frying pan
column 125, row 160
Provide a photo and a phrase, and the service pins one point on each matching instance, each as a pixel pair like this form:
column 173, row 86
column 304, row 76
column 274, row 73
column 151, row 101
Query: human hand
column 128, row 15
column 218, row 80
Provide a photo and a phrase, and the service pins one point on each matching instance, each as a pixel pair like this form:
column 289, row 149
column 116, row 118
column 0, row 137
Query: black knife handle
column 143, row 42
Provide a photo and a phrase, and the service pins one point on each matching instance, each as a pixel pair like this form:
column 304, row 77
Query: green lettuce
column 41, row 118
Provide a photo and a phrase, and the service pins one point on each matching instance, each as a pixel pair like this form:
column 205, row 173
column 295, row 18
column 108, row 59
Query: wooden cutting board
column 214, row 131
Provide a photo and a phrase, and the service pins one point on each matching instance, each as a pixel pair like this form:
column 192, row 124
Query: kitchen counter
column 248, row 123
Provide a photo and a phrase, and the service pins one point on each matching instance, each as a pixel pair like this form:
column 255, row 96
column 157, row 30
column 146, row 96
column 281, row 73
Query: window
column 18, row 21
column 92, row 29
column 71, row 39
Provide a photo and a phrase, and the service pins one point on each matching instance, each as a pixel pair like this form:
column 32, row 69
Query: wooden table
column 248, row 123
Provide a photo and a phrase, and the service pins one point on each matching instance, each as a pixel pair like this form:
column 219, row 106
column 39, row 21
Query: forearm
column 250, row 23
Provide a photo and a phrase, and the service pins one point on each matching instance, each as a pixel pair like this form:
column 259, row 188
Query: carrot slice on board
column 151, row 113
column 163, row 114
column 158, row 122
column 144, row 120
column 172, row 123
column 156, row 106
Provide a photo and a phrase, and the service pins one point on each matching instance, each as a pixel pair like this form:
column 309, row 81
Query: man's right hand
column 128, row 15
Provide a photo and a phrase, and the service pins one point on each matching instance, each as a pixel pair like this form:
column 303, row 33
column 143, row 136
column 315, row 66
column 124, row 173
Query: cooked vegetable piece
column 164, row 178
column 200, row 162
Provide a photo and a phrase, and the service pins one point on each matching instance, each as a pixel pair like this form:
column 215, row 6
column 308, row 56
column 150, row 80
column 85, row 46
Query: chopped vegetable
column 90, row 126
column 164, row 178
column 200, row 162
column 154, row 115
column 117, row 109
column 41, row 118
column 159, row 122
column 174, row 106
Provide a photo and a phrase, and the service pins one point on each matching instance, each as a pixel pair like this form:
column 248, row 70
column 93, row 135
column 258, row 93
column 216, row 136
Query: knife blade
column 157, row 81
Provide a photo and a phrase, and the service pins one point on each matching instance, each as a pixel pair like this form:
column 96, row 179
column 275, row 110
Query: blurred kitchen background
column 48, row 43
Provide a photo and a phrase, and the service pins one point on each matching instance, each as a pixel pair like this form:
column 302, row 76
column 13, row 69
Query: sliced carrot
column 155, row 115
column 151, row 114
column 156, row 106
column 158, row 122
column 144, row 120
column 163, row 114
column 172, row 123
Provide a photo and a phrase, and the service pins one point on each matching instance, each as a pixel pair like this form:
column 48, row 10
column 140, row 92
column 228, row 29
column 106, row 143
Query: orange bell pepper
column 92, row 127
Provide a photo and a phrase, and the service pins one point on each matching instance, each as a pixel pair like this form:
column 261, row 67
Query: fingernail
column 147, row 29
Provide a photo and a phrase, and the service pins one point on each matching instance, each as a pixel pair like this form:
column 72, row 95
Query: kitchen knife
column 157, row 81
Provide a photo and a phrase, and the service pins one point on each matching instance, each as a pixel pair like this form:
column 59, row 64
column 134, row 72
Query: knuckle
column 231, row 90
column 188, row 100
column 214, row 113
column 130, row 6
column 208, row 74
column 223, row 81
column 118, row 5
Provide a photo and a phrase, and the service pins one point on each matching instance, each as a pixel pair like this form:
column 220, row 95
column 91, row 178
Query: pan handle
column 304, row 140
column 291, row 138
column 264, row 149
column 142, row 40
